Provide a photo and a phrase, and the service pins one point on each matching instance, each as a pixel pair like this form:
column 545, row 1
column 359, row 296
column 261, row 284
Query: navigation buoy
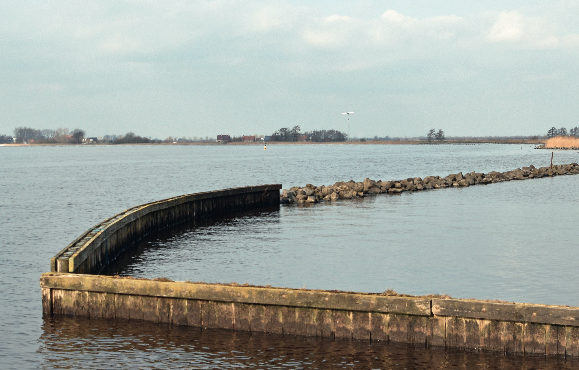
column 265, row 147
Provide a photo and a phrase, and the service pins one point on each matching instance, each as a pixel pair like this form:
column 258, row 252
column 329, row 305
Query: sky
column 203, row 68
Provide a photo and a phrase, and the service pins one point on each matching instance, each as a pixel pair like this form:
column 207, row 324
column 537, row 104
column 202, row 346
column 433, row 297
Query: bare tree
column 61, row 134
column 48, row 134
column 25, row 134
column 430, row 135
column 562, row 131
column 295, row 133
column 439, row 135
column 552, row 132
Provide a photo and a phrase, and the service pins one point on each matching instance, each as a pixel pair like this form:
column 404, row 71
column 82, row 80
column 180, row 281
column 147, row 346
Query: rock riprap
column 352, row 189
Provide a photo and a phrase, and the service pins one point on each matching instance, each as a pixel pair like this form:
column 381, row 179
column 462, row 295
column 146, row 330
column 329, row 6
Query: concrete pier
column 74, row 288
column 503, row 327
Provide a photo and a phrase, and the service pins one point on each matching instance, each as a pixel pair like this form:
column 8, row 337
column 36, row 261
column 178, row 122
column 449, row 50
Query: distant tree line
column 131, row 138
column 434, row 135
column 294, row 134
column 553, row 131
column 286, row 134
column 60, row 135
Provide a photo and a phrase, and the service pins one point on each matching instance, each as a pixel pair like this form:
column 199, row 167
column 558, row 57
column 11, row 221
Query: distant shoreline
column 357, row 142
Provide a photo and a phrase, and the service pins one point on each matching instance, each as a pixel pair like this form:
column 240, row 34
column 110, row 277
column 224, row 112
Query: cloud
column 390, row 28
column 509, row 26
column 514, row 27
column 359, row 43
column 261, row 51
column 330, row 32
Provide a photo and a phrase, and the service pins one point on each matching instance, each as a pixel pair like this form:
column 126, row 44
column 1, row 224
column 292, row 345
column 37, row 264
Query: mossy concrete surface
column 238, row 294
column 520, row 312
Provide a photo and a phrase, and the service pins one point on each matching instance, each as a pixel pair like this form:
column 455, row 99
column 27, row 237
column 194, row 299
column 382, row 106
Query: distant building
column 90, row 140
column 247, row 139
column 302, row 137
column 223, row 138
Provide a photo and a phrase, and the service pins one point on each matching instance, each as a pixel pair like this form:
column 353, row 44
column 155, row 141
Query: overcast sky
column 202, row 68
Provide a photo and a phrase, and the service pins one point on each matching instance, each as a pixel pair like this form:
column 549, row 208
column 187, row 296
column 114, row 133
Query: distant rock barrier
column 352, row 189
column 557, row 147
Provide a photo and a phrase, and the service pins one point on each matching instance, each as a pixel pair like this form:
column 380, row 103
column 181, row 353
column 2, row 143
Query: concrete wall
column 93, row 250
column 69, row 290
column 504, row 327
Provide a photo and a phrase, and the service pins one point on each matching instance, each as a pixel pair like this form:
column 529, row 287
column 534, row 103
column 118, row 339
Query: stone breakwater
column 352, row 189
column 558, row 147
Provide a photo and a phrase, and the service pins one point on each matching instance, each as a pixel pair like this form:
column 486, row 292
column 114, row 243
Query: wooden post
column 551, row 159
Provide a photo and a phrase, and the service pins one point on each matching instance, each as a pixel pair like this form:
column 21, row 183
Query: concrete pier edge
column 75, row 288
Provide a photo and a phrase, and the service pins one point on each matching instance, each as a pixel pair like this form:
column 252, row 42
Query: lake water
column 512, row 241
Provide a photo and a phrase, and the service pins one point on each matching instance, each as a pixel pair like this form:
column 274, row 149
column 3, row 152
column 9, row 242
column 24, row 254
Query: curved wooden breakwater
column 70, row 289
column 92, row 251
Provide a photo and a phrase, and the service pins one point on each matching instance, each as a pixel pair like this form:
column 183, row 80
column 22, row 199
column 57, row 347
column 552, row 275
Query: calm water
column 514, row 241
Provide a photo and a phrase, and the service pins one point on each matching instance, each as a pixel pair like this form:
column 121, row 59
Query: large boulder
column 368, row 184
column 374, row 190
column 346, row 194
column 386, row 185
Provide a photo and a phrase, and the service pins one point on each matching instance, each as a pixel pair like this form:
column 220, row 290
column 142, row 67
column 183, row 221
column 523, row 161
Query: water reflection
column 68, row 342
column 484, row 242
column 216, row 241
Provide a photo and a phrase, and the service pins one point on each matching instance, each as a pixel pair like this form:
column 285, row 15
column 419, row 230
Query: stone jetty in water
column 352, row 189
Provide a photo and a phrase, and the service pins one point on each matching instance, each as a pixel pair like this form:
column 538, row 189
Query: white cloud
column 390, row 28
column 509, row 26
column 394, row 17
column 331, row 31
column 516, row 28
